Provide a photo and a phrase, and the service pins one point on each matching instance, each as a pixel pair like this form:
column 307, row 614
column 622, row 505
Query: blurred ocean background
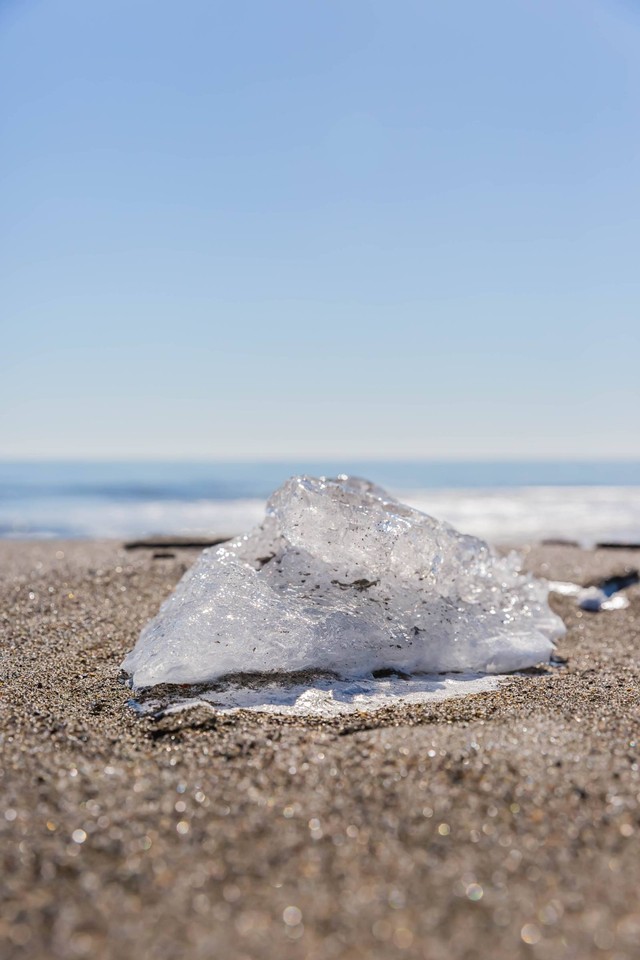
column 504, row 502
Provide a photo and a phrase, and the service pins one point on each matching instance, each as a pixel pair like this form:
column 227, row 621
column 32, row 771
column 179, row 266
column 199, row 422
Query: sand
column 496, row 826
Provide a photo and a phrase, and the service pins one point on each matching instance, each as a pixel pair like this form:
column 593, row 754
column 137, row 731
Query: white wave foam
column 500, row 515
column 521, row 514
column 136, row 519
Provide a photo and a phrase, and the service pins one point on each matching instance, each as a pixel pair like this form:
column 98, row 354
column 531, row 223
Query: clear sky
column 292, row 228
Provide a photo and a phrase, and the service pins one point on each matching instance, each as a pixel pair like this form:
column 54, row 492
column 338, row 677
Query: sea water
column 503, row 502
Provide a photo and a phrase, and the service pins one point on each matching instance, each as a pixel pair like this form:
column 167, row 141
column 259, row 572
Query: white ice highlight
column 328, row 698
column 342, row 578
column 593, row 598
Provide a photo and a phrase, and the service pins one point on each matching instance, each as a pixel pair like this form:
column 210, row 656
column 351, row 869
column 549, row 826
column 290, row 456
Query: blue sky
column 273, row 228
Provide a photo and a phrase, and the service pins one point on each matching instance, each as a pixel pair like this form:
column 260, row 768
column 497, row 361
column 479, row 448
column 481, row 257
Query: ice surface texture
column 341, row 577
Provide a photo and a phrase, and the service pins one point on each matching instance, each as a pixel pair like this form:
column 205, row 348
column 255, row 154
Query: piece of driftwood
column 617, row 546
column 174, row 543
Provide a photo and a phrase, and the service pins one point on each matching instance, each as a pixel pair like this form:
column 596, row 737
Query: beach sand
column 496, row 826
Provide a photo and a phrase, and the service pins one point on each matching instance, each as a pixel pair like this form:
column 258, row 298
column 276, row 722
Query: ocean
column 504, row 502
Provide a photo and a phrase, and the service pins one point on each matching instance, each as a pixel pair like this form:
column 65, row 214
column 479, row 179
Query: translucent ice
column 342, row 578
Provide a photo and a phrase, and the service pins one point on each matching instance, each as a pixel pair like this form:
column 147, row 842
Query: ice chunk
column 342, row 578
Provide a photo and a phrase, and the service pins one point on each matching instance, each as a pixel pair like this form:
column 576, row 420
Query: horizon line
column 317, row 458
